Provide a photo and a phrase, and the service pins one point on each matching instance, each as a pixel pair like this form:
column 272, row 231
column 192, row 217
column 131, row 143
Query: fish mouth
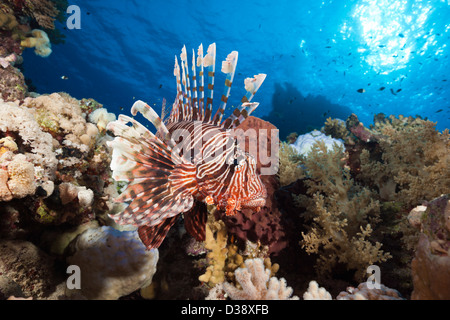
column 254, row 203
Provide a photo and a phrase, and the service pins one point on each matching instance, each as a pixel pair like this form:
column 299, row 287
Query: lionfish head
column 251, row 192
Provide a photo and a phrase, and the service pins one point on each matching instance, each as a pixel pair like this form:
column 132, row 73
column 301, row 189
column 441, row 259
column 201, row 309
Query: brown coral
column 414, row 161
column 43, row 11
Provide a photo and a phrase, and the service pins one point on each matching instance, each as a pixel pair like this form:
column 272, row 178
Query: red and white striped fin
column 201, row 74
column 196, row 115
column 195, row 220
column 229, row 68
column 245, row 108
column 186, row 83
column 209, row 61
column 160, row 186
column 152, row 116
column 153, row 236
column 177, row 108
column 239, row 115
column 252, row 85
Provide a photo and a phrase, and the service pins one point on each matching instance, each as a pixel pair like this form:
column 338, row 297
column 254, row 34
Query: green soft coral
column 290, row 169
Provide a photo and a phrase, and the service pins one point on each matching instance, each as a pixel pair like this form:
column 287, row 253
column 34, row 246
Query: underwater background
column 352, row 183
column 317, row 55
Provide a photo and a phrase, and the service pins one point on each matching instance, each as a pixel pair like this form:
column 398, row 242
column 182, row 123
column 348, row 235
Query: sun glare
column 389, row 31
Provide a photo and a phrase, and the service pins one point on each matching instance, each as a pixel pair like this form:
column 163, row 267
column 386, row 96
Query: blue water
column 316, row 54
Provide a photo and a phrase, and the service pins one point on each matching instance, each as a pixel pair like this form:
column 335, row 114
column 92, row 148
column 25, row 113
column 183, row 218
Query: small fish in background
column 392, row 91
column 381, row 46
column 399, row 90
column 64, row 77
column 361, row 90
column 401, row 35
column 382, row 88
column 160, row 86
column 440, row 110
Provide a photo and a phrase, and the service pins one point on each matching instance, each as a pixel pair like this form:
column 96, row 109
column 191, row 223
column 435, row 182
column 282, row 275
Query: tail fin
column 161, row 183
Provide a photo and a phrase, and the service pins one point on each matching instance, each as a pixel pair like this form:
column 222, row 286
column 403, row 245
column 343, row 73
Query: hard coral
column 35, row 144
column 257, row 284
column 21, row 181
column 315, row 292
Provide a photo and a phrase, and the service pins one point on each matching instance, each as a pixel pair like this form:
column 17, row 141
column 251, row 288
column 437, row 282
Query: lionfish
column 168, row 179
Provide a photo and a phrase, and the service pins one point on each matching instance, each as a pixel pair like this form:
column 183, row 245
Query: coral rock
column 431, row 264
column 363, row 292
column 31, row 268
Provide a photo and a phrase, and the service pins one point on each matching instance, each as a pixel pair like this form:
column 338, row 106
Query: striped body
column 192, row 160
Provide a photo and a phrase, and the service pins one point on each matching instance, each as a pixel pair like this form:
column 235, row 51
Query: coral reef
column 44, row 12
column 112, row 263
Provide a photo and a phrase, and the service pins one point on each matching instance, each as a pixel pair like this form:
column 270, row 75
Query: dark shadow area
column 293, row 112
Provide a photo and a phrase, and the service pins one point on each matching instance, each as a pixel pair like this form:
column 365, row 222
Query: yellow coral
column 39, row 41
column 217, row 254
column 5, row 194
